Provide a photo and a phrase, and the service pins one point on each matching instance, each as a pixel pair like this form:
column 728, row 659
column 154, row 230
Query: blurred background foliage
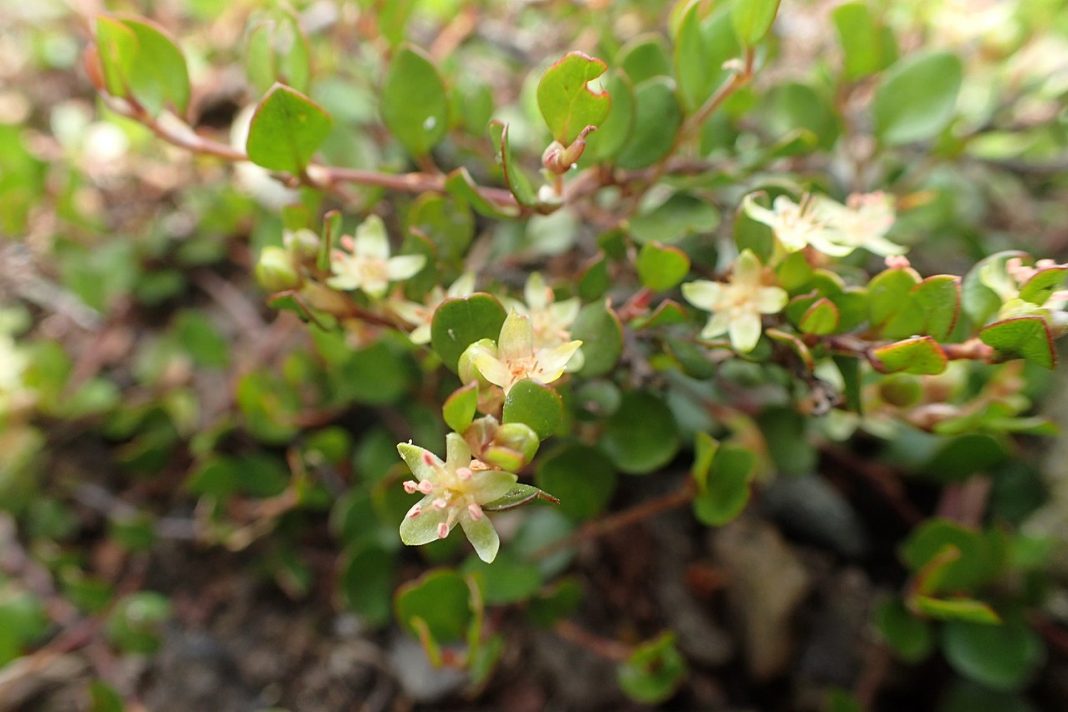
column 200, row 495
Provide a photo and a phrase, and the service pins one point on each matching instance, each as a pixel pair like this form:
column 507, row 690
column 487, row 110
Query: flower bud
column 519, row 437
column 275, row 271
column 303, row 244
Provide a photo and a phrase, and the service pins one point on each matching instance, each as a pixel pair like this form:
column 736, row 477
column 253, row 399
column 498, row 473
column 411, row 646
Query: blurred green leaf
column 581, row 476
column 641, row 436
column 567, row 102
column 1003, row 657
column 917, row 97
column 534, row 405
column 458, row 323
column 286, row 130
column 653, row 672
column 415, row 104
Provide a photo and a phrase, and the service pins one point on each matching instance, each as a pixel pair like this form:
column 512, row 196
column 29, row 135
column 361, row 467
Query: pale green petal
column 747, row 269
column 517, row 339
column 482, row 536
column 703, row 293
column 423, row 529
column 463, row 286
column 771, row 300
column 550, row 363
column 466, row 368
column 717, row 326
column 344, row 282
column 457, row 452
column 564, row 313
column 758, row 212
column 411, row 312
column 883, row 247
column 371, row 240
column 421, row 334
column 405, row 266
column 824, row 241
column 488, row 485
column 745, row 332
column 424, row 464
column 536, row 294
column 491, row 368
column 576, row 363
column 374, row 287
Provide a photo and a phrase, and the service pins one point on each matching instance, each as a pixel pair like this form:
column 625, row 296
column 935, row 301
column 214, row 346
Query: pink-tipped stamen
column 443, row 530
column 411, row 486
column 475, row 511
column 464, row 473
column 426, row 487
column 441, row 503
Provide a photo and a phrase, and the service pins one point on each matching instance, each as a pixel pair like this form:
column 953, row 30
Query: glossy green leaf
column 911, row 638
column 727, row 490
column 276, row 50
column 653, row 671
column 517, row 181
column 458, row 323
column 601, row 333
column 917, row 97
column 534, row 405
column 641, row 436
column 680, row 215
column 661, row 267
column 117, row 48
column 820, row 318
column 366, row 584
column 1041, row 286
column 519, row 495
column 581, row 476
column 1003, row 657
column 921, row 355
column 415, row 103
column 888, row 291
column 286, row 130
column 1027, row 337
column 979, row 301
column 656, row 122
column 867, row 45
column 459, row 408
column 645, row 57
column 977, row 561
column 440, row 599
column 792, row 107
column 955, row 609
column 157, row 75
column 752, row 19
column 565, row 99
column 931, row 307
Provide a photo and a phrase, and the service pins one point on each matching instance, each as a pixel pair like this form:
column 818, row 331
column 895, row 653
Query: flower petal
column 423, row 529
column 747, row 269
column 424, row 464
column 717, row 326
column 482, row 536
column 745, row 332
column 463, row 286
column 703, row 294
column 536, row 293
column 457, row 451
column 404, row 266
column 550, row 363
column 491, row 368
column 374, row 287
column 564, row 313
column 488, row 485
column 771, row 300
column 421, row 334
column 517, row 338
column 371, row 240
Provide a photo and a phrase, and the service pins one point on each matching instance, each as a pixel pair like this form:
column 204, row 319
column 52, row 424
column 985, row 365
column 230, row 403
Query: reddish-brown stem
column 604, row 647
column 600, row 527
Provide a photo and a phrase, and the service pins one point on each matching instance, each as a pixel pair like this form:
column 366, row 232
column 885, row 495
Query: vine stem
column 606, row 525
column 604, row 647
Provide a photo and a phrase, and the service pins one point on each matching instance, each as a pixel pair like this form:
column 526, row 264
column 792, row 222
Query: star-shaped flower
column 515, row 357
column 550, row 320
column 737, row 305
column 454, row 492
column 796, row 225
column 422, row 315
column 365, row 263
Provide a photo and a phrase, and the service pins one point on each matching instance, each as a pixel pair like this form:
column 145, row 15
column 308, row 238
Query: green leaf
column 601, row 333
column 921, row 355
column 462, row 186
column 276, row 50
column 979, row 301
column 821, row 318
column 955, row 609
column 644, row 57
column 653, row 671
column 667, row 313
column 286, row 130
column 1041, row 286
column 517, row 181
column 794, row 107
column 917, row 97
column 518, row 496
column 117, row 48
column 459, row 408
column 641, row 436
column 661, row 267
column 964, row 456
column 680, row 215
column 656, row 122
column 975, row 564
column 910, row 637
column 505, row 580
column 446, row 221
column 565, row 99
column 888, row 291
column 534, row 405
column 727, row 491
column 555, row 602
column 157, row 75
column 752, row 19
column 415, row 104
column 441, row 600
column 1026, row 337
column 135, row 624
column 366, row 584
column 931, row 308
column 608, row 140
column 1004, row 657
column 458, row 323
column 581, row 476
column 705, row 448
column 867, row 46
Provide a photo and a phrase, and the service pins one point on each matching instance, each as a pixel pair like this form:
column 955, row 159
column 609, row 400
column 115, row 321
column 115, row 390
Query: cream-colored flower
column 515, row 357
column 737, row 305
column 454, row 492
column 422, row 315
column 827, row 225
column 365, row 263
column 1008, row 277
column 551, row 320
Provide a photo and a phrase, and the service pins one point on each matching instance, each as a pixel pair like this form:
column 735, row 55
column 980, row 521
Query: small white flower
column 796, row 225
column 737, row 305
column 422, row 315
column 515, row 357
column 551, row 320
column 366, row 265
column 454, row 492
